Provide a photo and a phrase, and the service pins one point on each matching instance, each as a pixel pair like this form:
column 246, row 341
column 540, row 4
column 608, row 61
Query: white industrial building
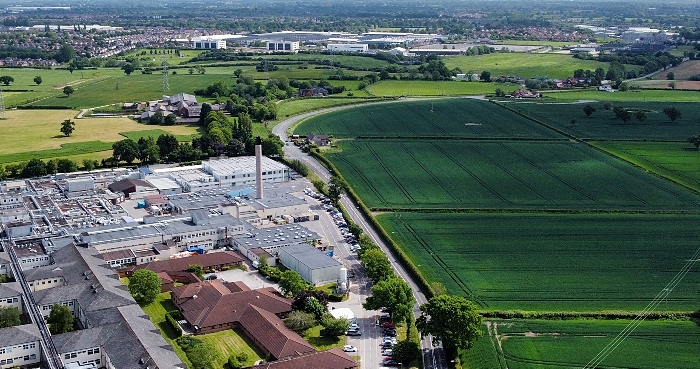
column 351, row 48
column 285, row 46
column 312, row 264
column 207, row 43
column 240, row 171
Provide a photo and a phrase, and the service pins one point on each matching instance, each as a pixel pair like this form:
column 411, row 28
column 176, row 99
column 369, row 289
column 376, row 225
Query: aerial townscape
column 455, row 184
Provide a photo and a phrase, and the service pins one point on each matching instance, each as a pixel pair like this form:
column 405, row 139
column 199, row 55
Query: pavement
column 368, row 344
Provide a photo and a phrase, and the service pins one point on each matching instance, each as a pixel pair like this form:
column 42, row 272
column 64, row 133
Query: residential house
column 213, row 306
column 210, row 260
column 318, row 140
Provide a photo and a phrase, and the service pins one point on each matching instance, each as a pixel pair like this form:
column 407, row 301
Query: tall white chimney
column 258, row 168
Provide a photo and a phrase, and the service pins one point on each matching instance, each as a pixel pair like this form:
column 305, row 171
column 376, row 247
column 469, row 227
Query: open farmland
column 661, row 95
column 572, row 344
column 673, row 160
column 602, row 124
column 526, row 65
column 435, row 88
column 552, row 262
column 518, row 216
column 502, row 174
column 448, row 118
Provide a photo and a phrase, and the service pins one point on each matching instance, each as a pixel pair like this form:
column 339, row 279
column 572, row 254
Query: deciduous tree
column 125, row 150
column 167, row 146
column 454, row 320
column 144, row 286
column 67, row 127
column 377, row 265
column 68, row 90
column 641, row 116
column 60, row 319
column 405, row 351
column 6, row 80
column 673, row 114
column 37, row 80
column 9, row 316
column 394, row 294
column 299, row 321
column 588, row 110
column 291, row 283
column 333, row 327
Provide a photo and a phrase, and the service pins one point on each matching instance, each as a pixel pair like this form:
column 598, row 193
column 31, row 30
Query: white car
column 386, row 352
column 348, row 348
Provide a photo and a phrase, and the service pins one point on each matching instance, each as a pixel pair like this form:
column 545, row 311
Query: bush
column 173, row 323
column 201, row 354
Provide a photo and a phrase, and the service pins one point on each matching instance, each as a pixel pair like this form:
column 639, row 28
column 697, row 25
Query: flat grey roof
column 275, row 236
column 310, row 256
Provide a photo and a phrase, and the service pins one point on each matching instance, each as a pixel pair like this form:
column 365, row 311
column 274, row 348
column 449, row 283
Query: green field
column 526, row 65
column 673, row 160
column 673, row 96
column 602, row 124
column 503, row 174
column 449, row 118
column 553, row 262
column 536, row 344
column 435, row 88
column 155, row 133
column 231, row 342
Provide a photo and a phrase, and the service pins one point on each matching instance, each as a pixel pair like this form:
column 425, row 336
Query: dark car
column 390, row 332
column 391, row 362
column 387, row 344
column 211, row 277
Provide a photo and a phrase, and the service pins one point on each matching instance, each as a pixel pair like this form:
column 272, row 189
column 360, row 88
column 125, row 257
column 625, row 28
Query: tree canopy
column 394, row 294
column 454, row 320
column 60, row 319
column 673, row 113
column 67, row 127
column 9, row 316
column 144, row 286
column 291, row 283
column 125, row 150
column 68, row 90
column 377, row 265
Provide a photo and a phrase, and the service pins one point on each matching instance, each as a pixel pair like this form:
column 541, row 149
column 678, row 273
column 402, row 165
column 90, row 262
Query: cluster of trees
column 60, row 319
column 249, row 96
column 37, row 168
column 310, row 308
column 626, row 114
column 649, row 62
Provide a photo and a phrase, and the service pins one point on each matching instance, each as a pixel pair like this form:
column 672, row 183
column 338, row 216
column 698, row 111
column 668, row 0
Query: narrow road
column 433, row 357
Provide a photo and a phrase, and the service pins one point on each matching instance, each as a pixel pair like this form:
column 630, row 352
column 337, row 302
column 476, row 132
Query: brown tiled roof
column 272, row 334
column 164, row 277
column 215, row 304
column 117, row 254
column 236, row 286
column 329, row 359
column 179, row 265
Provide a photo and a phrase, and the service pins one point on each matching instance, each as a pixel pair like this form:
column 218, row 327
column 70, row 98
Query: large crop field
column 662, row 95
column 448, row 118
column 602, row 124
column 552, row 262
column 518, row 211
column 674, row 160
column 501, row 175
column 526, row 65
column 572, row 344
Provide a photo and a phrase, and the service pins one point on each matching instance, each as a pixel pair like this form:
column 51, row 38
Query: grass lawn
column 155, row 133
column 524, row 64
column 313, row 336
column 36, row 133
column 156, row 311
column 230, row 342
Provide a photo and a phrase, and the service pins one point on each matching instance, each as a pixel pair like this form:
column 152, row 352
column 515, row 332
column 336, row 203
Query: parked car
column 387, row 325
column 391, row 362
column 386, row 352
column 387, row 345
column 211, row 277
column 354, row 327
column 348, row 348
column 389, row 339
column 390, row 333
column 353, row 333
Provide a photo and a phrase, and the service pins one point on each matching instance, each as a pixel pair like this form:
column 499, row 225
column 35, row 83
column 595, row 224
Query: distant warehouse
column 312, row 264
column 352, row 48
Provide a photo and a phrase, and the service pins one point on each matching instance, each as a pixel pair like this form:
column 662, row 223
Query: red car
column 387, row 325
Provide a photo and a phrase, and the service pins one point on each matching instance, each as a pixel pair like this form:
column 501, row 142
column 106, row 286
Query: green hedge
column 395, row 248
column 173, row 322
